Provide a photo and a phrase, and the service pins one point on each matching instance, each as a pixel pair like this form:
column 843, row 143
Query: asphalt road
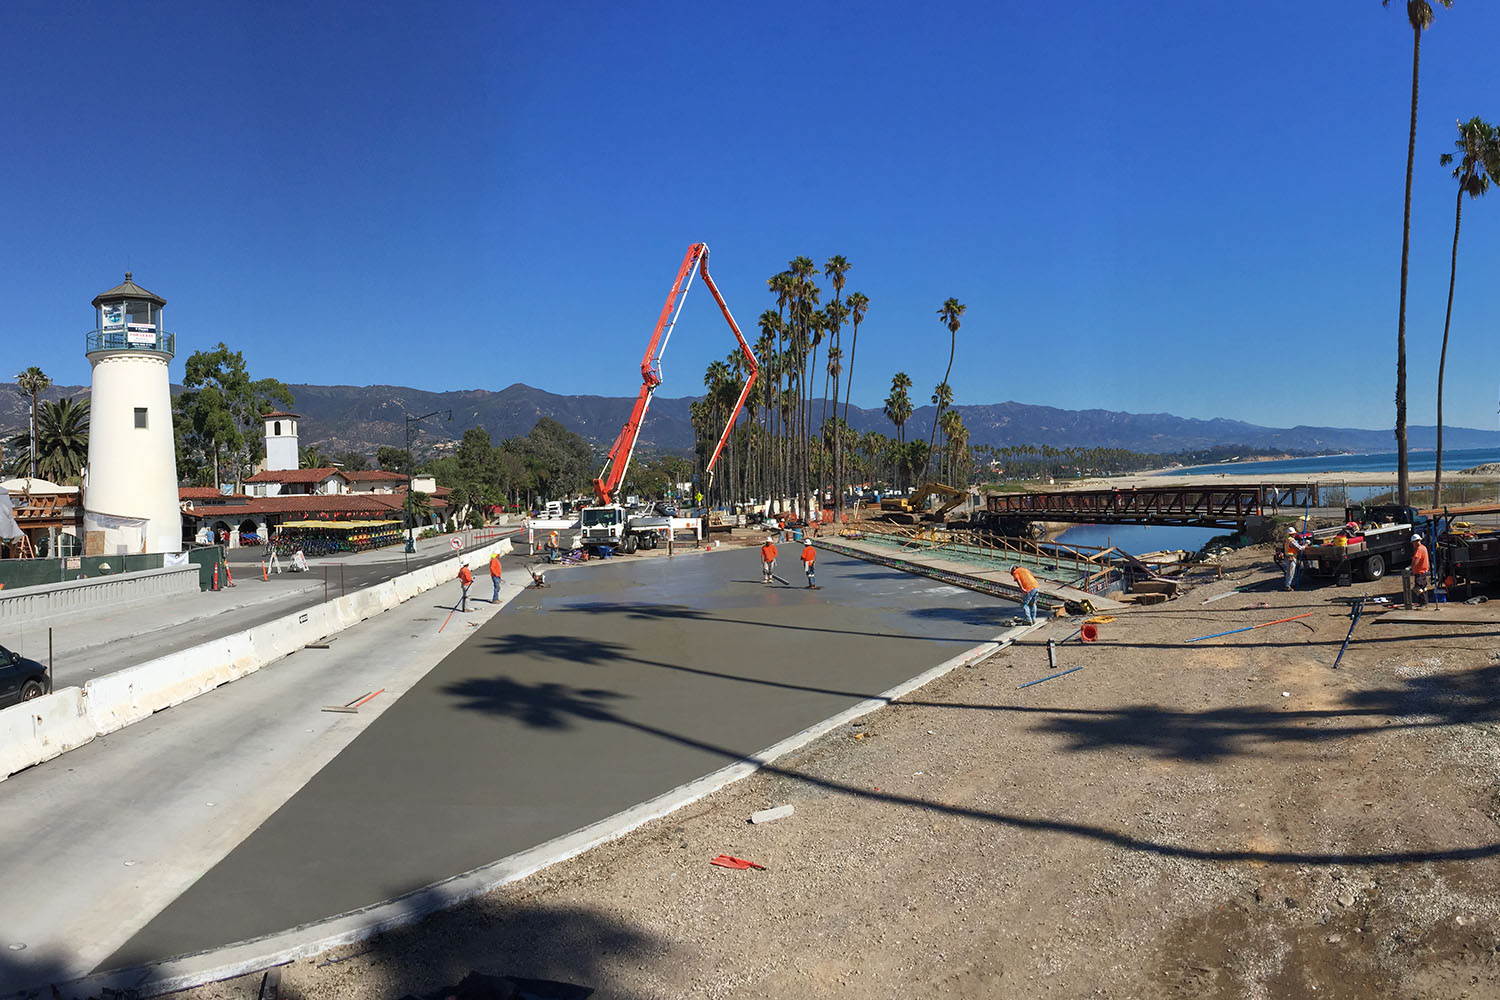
column 620, row 681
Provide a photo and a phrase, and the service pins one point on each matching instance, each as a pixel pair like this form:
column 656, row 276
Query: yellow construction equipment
column 913, row 508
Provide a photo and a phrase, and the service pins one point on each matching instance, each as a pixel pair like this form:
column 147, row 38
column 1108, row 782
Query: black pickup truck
column 1382, row 543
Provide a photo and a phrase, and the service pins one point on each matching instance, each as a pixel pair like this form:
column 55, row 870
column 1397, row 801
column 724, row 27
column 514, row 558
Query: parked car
column 21, row 678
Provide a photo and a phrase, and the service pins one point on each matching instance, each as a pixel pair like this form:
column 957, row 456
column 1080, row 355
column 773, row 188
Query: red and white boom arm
column 618, row 459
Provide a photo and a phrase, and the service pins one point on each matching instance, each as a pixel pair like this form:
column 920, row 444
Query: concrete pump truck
column 609, row 523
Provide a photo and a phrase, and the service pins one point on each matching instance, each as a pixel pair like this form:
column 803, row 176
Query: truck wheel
column 1374, row 568
column 630, row 544
column 649, row 541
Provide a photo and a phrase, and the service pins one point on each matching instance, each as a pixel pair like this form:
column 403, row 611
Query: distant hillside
column 363, row 418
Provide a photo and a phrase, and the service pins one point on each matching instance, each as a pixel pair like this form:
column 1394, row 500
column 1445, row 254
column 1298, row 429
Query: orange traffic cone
column 216, row 576
column 228, row 576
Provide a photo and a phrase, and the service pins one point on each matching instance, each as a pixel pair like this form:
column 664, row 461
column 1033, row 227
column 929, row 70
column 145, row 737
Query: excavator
column 608, row 523
column 912, row 509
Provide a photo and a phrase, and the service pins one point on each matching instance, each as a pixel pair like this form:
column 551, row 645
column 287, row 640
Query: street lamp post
column 411, row 423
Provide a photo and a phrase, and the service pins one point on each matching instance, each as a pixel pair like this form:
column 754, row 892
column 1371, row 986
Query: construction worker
column 809, row 554
column 767, row 560
column 495, row 576
column 1421, row 566
column 1029, row 589
column 465, row 579
column 1291, row 551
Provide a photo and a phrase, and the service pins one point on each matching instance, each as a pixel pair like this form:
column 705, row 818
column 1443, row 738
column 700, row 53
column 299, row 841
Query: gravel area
column 1223, row 819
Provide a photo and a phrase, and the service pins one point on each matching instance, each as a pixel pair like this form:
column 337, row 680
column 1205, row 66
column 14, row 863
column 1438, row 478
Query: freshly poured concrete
column 620, row 681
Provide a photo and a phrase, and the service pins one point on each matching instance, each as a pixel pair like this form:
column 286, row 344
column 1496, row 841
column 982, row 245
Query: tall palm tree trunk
column 849, row 379
column 1437, row 475
column 1403, row 486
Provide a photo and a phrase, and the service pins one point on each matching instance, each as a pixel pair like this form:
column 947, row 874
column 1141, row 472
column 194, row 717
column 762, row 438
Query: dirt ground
column 1220, row 819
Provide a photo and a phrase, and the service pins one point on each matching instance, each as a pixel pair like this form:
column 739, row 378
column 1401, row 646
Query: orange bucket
column 1089, row 633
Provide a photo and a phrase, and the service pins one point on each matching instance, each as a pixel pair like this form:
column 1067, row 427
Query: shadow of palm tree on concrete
column 1202, row 736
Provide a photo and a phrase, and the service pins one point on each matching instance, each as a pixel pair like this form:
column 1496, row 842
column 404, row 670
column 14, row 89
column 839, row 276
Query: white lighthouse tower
column 130, row 504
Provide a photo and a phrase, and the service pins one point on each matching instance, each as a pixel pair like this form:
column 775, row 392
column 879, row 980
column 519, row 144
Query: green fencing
column 17, row 573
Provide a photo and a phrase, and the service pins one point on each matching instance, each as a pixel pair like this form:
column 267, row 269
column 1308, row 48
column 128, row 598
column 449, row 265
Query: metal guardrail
column 131, row 340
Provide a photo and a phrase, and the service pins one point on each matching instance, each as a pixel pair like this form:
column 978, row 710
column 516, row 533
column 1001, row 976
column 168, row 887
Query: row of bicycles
column 312, row 546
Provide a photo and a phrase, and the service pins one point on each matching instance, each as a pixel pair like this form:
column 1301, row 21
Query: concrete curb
column 186, row 971
column 37, row 731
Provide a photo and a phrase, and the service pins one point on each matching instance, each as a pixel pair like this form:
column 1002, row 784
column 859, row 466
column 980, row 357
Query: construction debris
column 1049, row 677
column 771, row 815
column 1249, row 628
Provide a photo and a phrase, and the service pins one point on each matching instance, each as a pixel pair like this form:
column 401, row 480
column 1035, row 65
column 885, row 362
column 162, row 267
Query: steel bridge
column 1185, row 505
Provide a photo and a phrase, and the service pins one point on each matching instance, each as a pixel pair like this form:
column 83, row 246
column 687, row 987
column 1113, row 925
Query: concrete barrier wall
column 46, row 602
column 41, row 729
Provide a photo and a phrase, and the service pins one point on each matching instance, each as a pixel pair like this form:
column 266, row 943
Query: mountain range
column 362, row 418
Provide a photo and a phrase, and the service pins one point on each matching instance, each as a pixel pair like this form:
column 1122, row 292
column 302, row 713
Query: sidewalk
column 94, row 643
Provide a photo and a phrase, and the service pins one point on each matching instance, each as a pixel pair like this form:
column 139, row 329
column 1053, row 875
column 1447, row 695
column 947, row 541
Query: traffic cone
column 263, row 575
column 228, row 576
column 216, row 576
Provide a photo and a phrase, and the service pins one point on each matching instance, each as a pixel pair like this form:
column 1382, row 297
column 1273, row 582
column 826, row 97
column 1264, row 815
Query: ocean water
column 1139, row 538
column 1416, row 461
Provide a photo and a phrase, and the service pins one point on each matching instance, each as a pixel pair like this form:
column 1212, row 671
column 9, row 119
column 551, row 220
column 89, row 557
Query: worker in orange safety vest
column 1030, row 590
column 465, row 579
column 767, row 560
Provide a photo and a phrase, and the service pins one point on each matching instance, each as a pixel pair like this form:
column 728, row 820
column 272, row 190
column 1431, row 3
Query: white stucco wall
column 132, row 471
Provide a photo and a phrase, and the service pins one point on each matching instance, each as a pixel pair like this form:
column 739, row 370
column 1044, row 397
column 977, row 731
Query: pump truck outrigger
column 608, row 523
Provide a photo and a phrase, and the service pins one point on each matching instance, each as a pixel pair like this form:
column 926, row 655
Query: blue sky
column 1199, row 215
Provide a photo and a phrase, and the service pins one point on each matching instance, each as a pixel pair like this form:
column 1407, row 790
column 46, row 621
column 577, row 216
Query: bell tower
column 281, row 441
column 130, row 503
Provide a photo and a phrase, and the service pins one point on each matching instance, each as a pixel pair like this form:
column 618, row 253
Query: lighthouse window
column 140, row 416
column 276, row 431
column 139, row 315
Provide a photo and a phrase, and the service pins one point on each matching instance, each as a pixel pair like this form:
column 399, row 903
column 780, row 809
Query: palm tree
column 951, row 313
column 312, row 457
column 953, row 428
column 858, row 305
column 898, row 410
column 942, row 398
column 62, row 436
column 1419, row 15
column 1480, row 146
column 31, row 382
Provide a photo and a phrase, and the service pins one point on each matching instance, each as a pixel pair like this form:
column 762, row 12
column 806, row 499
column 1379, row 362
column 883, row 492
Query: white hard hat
column 1416, row 538
column 1291, row 530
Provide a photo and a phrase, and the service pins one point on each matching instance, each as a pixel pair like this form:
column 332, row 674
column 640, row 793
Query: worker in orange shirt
column 465, row 579
column 1029, row 587
column 809, row 555
column 1421, row 566
column 495, row 576
column 767, row 560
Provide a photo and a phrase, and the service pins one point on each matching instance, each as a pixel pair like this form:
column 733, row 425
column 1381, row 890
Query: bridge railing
column 1216, row 505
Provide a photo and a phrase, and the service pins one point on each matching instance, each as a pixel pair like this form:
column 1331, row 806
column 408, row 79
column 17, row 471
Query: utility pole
column 411, row 468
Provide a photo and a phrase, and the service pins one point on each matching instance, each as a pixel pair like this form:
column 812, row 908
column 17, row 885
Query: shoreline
column 1352, row 478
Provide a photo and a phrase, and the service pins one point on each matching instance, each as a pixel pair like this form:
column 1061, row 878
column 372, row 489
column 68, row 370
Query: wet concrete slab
column 620, row 681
